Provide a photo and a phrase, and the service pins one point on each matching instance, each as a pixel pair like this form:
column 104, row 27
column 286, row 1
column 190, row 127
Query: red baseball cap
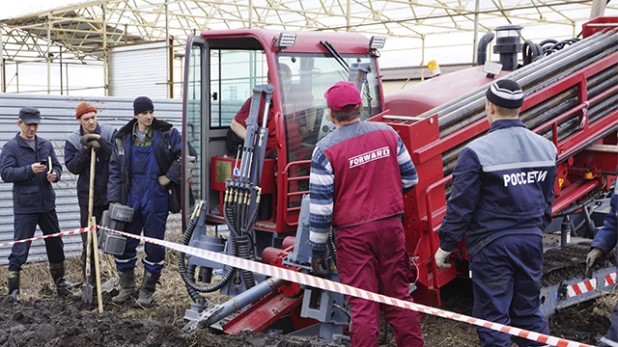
column 343, row 96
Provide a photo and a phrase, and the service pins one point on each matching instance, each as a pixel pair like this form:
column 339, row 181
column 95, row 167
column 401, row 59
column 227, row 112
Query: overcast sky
column 452, row 48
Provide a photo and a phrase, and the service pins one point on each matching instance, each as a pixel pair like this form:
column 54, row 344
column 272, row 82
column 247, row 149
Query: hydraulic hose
column 573, row 208
column 240, row 238
column 188, row 274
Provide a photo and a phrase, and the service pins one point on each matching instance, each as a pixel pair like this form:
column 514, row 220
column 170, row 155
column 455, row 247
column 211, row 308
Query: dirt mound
column 61, row 322
column 582, row 323
column 560, row 264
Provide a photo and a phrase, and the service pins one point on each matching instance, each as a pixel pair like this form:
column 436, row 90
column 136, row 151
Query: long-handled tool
column 87, row 289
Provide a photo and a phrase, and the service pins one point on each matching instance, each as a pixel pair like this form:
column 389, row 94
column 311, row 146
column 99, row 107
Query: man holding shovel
column 90, row 136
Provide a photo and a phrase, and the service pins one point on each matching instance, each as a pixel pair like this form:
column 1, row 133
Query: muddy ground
column 52, row 321
column 43, row 319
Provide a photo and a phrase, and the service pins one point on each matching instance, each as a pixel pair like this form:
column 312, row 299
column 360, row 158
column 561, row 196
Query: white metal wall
column 138, row 70
column 58, row 122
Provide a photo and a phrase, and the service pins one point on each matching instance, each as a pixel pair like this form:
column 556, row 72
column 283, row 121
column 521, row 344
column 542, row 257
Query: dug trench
column 43, row 319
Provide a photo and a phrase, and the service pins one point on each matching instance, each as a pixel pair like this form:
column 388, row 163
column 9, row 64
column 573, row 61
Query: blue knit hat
column 142, row 104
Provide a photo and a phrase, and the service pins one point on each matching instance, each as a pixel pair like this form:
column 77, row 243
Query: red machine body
column 583, row 168
column 588, row 158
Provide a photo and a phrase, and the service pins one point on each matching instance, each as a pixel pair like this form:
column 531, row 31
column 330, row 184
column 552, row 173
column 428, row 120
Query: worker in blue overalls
column 145, row 162
column 502, row 200
column 604, row 242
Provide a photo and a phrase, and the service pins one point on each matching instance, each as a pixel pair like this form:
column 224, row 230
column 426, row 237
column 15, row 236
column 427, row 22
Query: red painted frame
column 426, row 204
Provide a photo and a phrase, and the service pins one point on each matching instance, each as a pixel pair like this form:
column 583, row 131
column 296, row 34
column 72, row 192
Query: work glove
column 88, row 138
column 93, row 145
column 594, row 256
column 318, row 263
column 441, row 258
column 163, row 180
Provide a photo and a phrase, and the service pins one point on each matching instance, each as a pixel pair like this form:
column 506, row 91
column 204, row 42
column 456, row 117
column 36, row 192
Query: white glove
column 441, row 258
column 163, row 180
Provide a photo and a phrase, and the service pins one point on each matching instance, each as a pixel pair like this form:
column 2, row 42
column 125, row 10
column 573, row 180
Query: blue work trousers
column 611, row 338
column 25, row 226
column 506, row 282
column 150, row 210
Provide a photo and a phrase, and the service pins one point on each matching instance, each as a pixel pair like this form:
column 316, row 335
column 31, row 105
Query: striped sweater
column 357, row 178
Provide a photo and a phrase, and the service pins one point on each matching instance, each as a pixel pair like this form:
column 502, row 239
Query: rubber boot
column 63, row 287
column 149, row 285
column 13, row 279
column 127, row 283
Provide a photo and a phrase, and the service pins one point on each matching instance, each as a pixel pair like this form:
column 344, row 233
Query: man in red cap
column 77, row 149
column 359, row 173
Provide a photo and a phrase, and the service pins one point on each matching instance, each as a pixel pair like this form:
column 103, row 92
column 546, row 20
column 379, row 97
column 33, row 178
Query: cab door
column 196, row 106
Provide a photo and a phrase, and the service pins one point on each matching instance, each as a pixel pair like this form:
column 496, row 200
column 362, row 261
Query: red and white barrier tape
column 60, row 234
column 316, row 282
column 582, row 287
column 610, row 279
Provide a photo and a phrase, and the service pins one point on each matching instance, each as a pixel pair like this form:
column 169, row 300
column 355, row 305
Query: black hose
column 531, row 51
column 188, row 274
column 573, row 208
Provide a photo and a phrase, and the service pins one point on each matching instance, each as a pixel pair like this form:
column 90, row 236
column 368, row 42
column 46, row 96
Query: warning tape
column 610, row 279
column 316, row 282
column 60, row 234
column 582, row 288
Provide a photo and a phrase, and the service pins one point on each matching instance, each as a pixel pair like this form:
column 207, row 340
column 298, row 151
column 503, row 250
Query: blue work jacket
column 32, row 193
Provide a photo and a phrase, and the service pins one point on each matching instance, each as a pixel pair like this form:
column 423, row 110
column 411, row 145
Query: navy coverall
column 134, row 169
column 606, row 240
column 34, row 199
column 501, row 199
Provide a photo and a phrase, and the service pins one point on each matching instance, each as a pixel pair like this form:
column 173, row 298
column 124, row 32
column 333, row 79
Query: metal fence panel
column 58, row 121
column 138, row 69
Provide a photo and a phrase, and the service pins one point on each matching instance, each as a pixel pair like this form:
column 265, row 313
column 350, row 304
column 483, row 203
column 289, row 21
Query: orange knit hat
column 84, row 108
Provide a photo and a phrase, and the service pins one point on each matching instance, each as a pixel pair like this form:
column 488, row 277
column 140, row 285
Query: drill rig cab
column 291, row 71
column 222, row 69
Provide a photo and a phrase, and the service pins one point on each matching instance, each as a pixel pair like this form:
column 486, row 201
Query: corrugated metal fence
column 58, row 113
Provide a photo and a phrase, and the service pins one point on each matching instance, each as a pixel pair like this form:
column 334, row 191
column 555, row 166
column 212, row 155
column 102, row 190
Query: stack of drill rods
column 554, row 106
column 531, row 68
column 565, row 129
column 545, row 76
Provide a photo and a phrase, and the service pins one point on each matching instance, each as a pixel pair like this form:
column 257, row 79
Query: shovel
column 91, row 242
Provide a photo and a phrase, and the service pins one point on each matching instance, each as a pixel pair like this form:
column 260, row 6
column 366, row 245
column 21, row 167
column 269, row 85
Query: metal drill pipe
column 465, row 99
column 539, row 79
column 445, row 108
column 594, row 90
column 532, row 68
column 474, row 111
column 598, row 113
column 565, row 128
column 571, row 125
column 555, row 106
column 531, row 83
column 600, row 79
